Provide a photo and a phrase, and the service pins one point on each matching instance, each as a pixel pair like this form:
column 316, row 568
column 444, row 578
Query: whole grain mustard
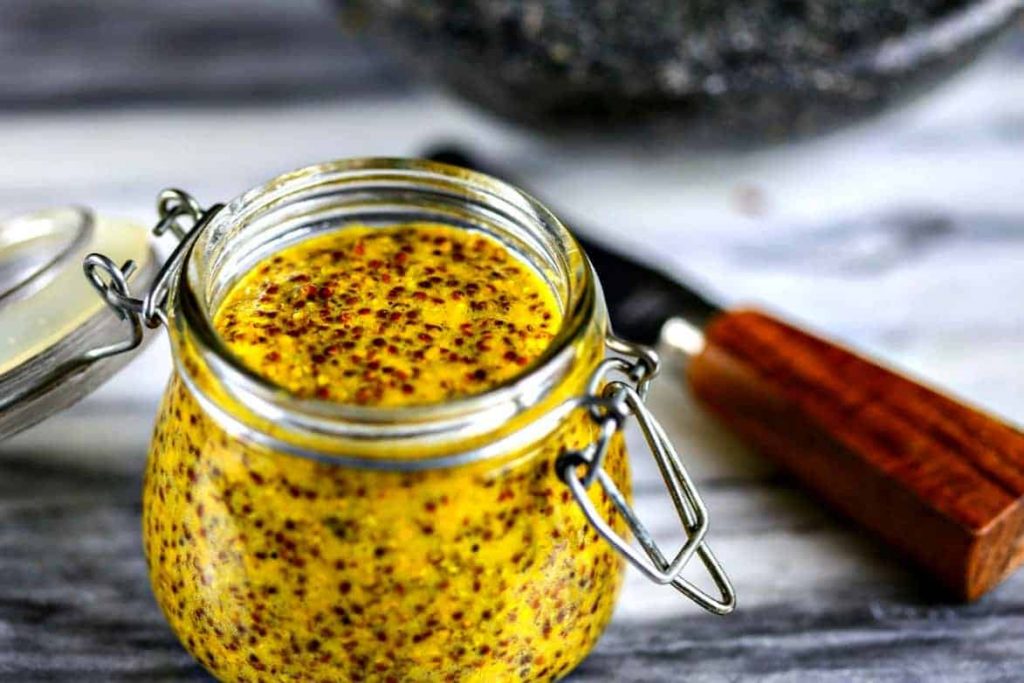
column 406, row 315
column 272, row 567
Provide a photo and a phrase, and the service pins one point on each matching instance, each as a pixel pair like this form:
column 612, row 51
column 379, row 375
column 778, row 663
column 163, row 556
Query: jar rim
column 194, row 300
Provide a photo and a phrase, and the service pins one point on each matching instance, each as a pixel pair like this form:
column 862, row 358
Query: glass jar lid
column 54, row 332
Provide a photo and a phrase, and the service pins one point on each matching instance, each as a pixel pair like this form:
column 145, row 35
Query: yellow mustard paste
column 271, row 567
column 389, row 317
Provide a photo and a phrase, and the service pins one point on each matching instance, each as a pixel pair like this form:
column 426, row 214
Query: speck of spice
column 276, row 568
column 409, row 314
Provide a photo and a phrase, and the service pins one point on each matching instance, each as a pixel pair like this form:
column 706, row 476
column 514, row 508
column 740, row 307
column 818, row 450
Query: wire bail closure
column 610, row 402
column 111, row 280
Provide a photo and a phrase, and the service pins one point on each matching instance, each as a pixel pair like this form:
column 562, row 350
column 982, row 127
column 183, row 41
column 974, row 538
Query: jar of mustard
column 392, row 446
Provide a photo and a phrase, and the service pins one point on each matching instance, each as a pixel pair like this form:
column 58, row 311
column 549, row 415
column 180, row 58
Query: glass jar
column 481, row 539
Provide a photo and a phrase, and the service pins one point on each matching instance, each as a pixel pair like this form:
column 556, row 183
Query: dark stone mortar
column 709, row 70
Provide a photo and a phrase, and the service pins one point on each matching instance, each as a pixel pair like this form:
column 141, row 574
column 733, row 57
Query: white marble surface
column 904, row 237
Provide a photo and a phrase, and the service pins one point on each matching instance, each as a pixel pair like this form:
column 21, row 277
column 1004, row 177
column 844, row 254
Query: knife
column 940, row 481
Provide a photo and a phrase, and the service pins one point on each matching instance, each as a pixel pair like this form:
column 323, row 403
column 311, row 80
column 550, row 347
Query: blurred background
column 853, row 165
column 872, row 187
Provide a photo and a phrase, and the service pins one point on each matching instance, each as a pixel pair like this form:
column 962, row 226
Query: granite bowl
column 708, row 70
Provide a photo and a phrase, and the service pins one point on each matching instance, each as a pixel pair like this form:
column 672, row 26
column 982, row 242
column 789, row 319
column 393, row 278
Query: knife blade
column 940, row 481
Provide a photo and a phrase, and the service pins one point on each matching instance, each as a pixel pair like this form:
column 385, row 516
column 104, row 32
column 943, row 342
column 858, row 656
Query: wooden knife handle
column 941, row 481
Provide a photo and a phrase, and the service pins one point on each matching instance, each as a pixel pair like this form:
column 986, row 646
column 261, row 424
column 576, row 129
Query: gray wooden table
column 904, row 237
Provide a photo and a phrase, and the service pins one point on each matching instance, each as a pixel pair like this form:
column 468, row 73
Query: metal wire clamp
column 610, row 401
column 111, row 280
